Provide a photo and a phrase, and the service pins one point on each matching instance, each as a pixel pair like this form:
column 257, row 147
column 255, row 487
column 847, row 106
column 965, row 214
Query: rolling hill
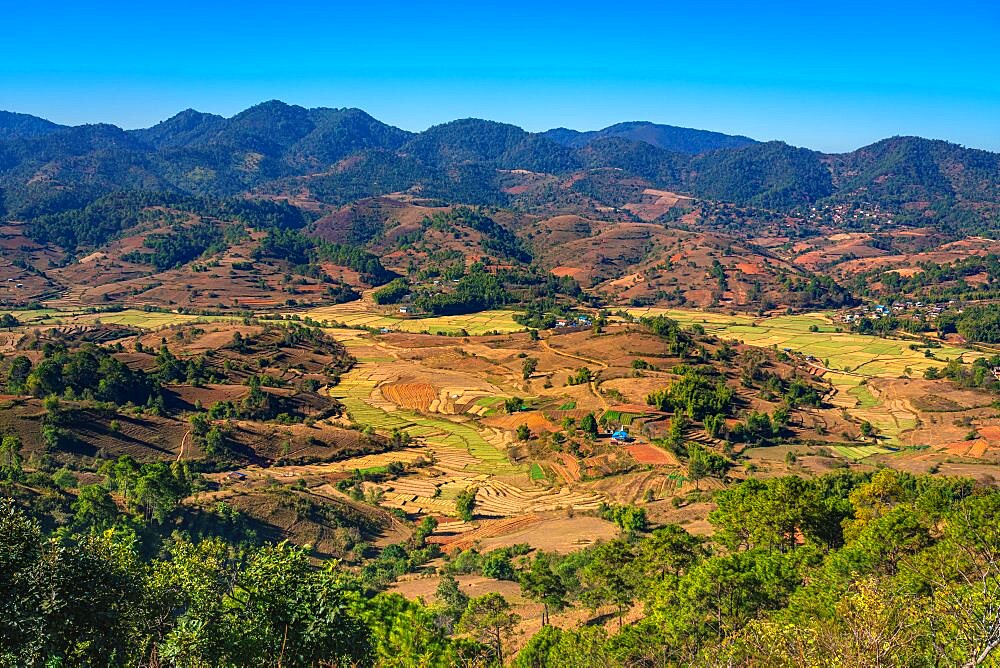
column 667, row 137
column 343, row 154
column 294, row 189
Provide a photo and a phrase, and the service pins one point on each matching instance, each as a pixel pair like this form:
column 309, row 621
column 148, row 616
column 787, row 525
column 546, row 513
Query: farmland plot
column 364, row 315
column 359, row 391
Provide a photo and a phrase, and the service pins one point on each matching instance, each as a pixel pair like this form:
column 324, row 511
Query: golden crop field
column 857, row 354
column 355, row 314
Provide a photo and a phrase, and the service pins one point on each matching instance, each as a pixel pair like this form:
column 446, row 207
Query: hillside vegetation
column 344, row 153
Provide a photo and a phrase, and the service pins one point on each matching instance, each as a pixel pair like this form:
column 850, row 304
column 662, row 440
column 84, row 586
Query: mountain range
column 334, row 156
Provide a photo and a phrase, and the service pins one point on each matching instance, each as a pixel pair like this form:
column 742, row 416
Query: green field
column 536, row 472
column 619, row 418
column 858, row 452
column 864, row 397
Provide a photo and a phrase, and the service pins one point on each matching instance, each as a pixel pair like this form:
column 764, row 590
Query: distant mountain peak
column 15, row 125
column 668, row 137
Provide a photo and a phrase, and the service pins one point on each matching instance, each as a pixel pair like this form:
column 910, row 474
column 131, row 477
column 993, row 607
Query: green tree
column 73, row 602
column 406, row 633
column 668, row 552
column 497, row 565
column 94, row 507
column 491, row 621
column 610, row 578
column 17, row 374
column 465, row 503
column 551, row 647
column 453, row 600
column 274, row 608
column 541, row 583
column 10, row 457
column 777, row 514
column 513, row 405
column 697, row 470
column 64, row 478
column 703, row 463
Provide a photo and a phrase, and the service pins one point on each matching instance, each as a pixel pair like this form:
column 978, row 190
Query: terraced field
column 855, row 360
column 351, row 315
column 616, row 417
column 361, row 314
column 131, row 317
column 845, row 351
column 359, row 392
column 889, row 415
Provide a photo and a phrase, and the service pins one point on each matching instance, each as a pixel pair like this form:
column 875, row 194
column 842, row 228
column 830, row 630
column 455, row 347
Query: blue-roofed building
column 621, row 436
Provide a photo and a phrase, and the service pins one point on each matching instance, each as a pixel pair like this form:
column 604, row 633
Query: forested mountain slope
column 338, row 155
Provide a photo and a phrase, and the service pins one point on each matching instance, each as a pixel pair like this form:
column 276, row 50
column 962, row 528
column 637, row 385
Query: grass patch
column 619, row 417
column 865, row 398
column 858, row 452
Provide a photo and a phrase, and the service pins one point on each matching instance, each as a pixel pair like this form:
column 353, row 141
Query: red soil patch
column 650, row 454
column 536, row 421
column 990, row 433
column 569, row 469
column 749, row 269
column 566, row 271
column 979, row 447
column 255, row 301
column 410, row 395
column 486, row 529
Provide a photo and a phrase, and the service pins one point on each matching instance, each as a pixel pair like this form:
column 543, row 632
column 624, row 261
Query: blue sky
column 828, row 75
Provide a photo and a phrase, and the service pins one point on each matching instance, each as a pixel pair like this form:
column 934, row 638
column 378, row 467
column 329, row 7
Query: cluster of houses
column 877, row 311
column 850, row 213
column 12, row 285
column 580, row 321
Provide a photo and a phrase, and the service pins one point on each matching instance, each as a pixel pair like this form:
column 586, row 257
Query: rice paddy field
column 864, row 356
column 358, row 391
column 864, row 371
column 355, row 314
column 865, row 399
column 130, row 317
column 350, row 315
